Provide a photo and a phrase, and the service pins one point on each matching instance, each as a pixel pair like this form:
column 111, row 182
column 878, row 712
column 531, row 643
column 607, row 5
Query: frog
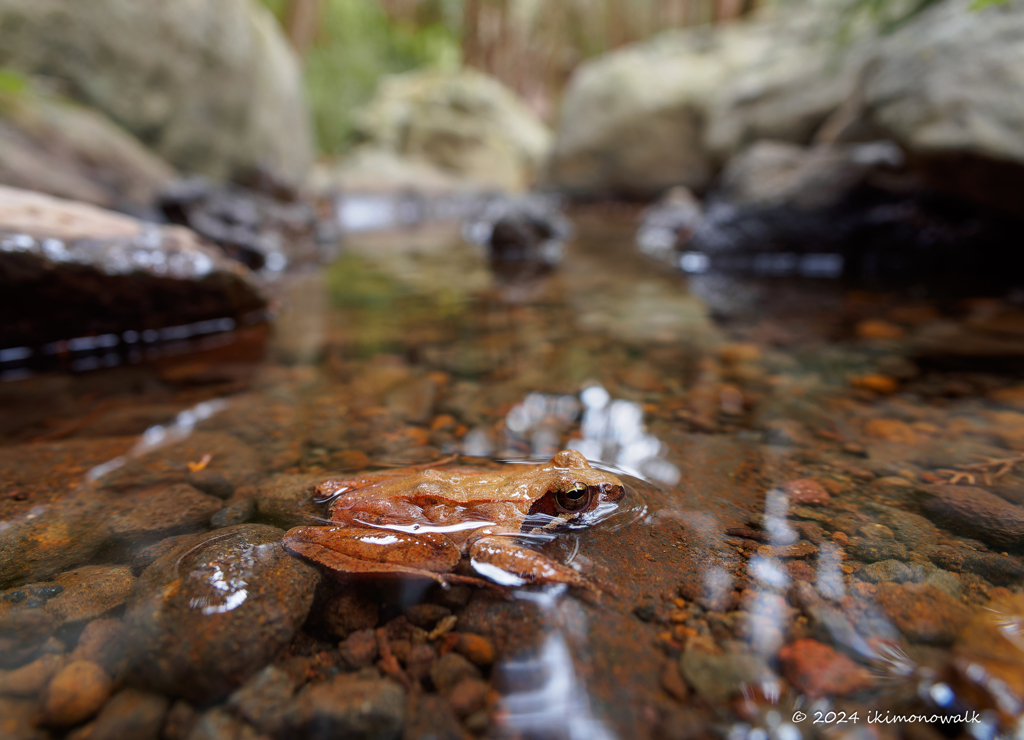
column 423, row 522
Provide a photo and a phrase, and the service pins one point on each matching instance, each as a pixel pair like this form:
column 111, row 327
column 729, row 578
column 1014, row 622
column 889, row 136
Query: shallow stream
column 791, row 560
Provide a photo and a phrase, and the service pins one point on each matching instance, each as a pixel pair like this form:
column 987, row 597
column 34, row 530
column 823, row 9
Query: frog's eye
column 574, row 498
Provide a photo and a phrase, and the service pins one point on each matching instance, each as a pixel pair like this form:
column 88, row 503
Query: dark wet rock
column 239, row 512
column 214, row 482
column 263, row 700
column 31, row 678
column 922, row 612
column 717, row 677
column 975, row 512
column 426, row 615
column 103, row 642
column 359, row 650
column 261, row 226
column 29, row 596
column 90, row 592
column 344, row 608
column 149, row 516
column 101, row 273
column 287, row 500
column 229, row 456
column 871, row 551
column 33, row 549
column 817, row 670
column 361, row 709
column 1001, row 570
column 886, row 570
column 913, row 530
column 131, row 714
column 144, row 557
column 419, row 660
column 209, row 614
column 449, row 670
column 76, row 693
column 431, row 717
column 180, row 720
column 668, row 225
column 22, row 633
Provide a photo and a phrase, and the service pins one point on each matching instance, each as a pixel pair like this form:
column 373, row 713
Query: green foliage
column 355, row 46
column 982, row 4
column 12, row 83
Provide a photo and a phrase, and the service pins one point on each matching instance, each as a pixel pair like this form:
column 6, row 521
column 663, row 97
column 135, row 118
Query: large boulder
column 946, row 85
column 211, row 86
column 71, row 270
column 53, row 145
column 465, row 123
column 632, row 122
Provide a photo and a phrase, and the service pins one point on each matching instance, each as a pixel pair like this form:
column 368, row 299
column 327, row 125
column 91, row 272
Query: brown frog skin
column 420, row 523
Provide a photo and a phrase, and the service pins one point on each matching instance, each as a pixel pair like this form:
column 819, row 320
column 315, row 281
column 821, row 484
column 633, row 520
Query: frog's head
column 576, row 492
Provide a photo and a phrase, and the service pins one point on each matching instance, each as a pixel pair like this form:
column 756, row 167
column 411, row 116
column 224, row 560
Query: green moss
column 356, row 45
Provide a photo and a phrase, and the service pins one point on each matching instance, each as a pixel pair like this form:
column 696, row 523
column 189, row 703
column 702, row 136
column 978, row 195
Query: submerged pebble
column 210, row 613
column 975, row 512
column 152, row 515
column 131, row 714
column 76, row 693
column 349, row 707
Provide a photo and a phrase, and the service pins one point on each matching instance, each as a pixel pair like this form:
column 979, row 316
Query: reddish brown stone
column 807, row 492
column 817, row 670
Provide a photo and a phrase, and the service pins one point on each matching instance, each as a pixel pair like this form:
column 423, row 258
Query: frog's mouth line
column 429, row 528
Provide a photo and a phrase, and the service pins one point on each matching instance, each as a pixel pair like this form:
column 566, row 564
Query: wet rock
column 717, row 677
column 18, row 719
column 890, row 430
column 32, row 678
column 287, row 500
column 90, row 592
column 145, row 557
column 131, row 714
column 359, row 650
column 237, row 513
column 871, row 551
column 468, row 696
column 179, row 722
column 419, row 660
column 886, row 570
column 209, row 614
column 361, row 709
column 76, row 693
column 1001, row 570
column 103, row 642
column 921, row 612
column 152, row 515
column 476, row 648
column 229, row 456
column 985, row 641
column 96, row 273
column 817, row 670
column 22, row 633
column 218, row 724
column 426, row 615
column 263, row 700
column 431, row 718
column 975, row 512
column 344, row 608
column 806, row 492
column 449, row 670
column 33, row 549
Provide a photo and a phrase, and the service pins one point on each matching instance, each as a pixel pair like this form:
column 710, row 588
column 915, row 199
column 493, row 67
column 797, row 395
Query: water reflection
column 546, row 699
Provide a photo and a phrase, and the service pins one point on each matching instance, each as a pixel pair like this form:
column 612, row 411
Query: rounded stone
column 76, row 693
column 213, row 611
